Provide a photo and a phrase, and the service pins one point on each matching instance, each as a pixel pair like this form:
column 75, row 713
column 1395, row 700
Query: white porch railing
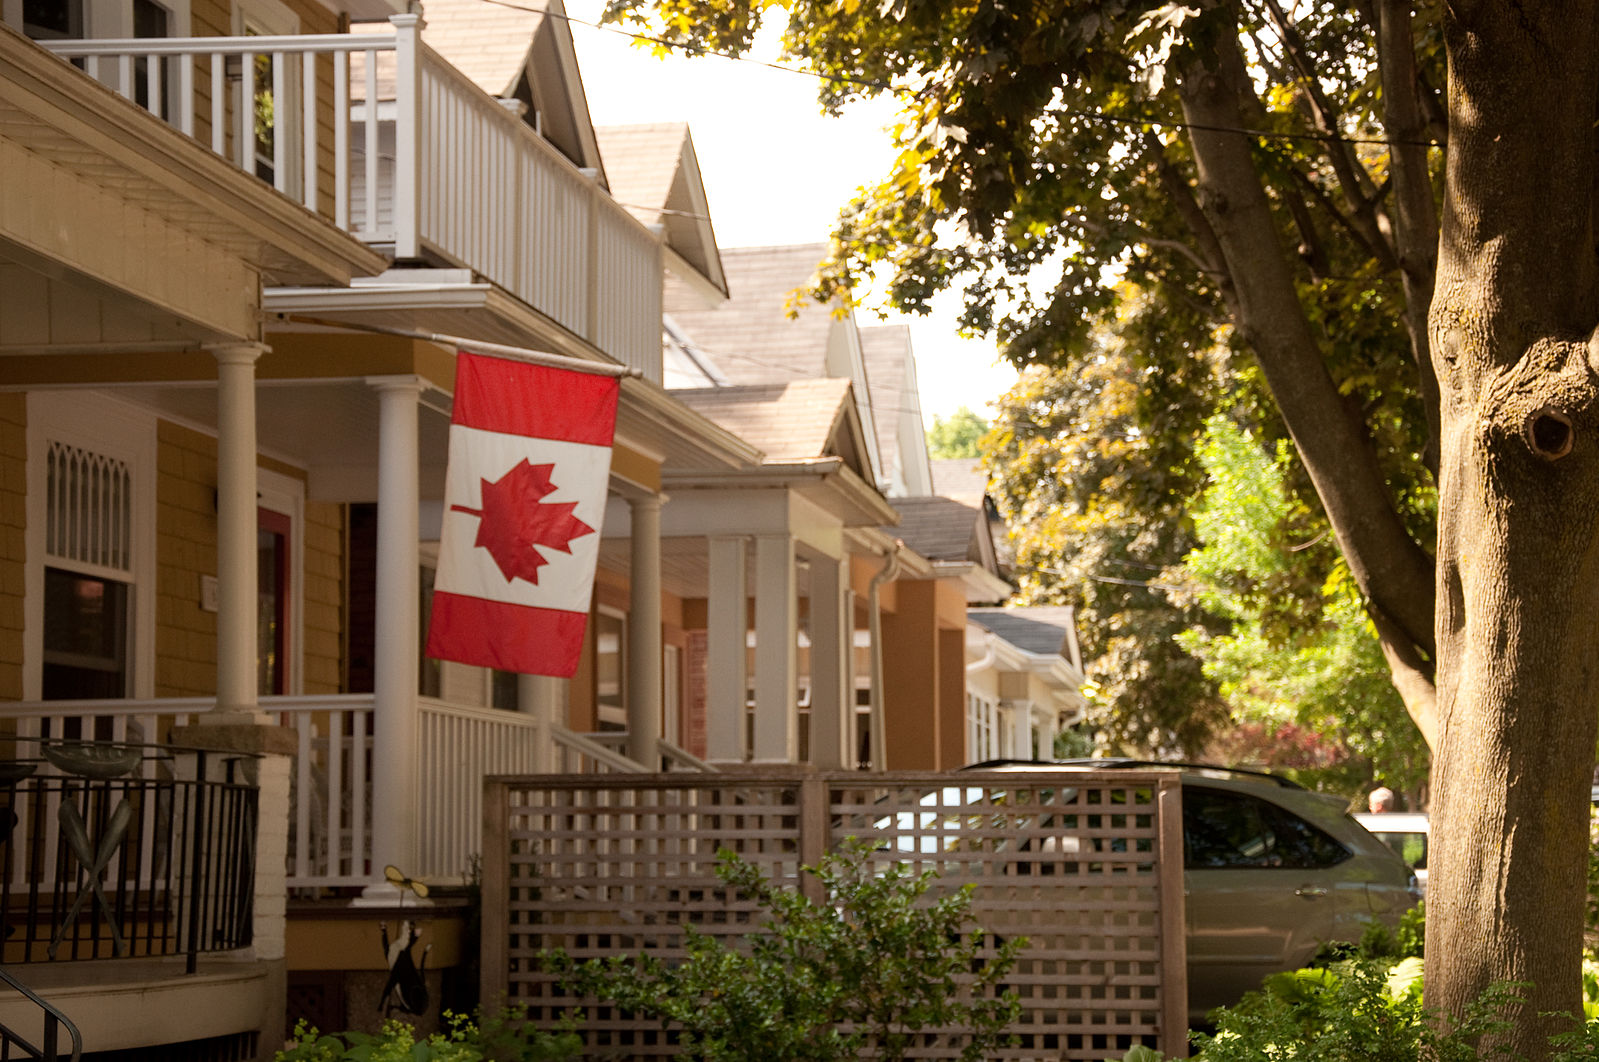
column 331, row 813
column 421, row 161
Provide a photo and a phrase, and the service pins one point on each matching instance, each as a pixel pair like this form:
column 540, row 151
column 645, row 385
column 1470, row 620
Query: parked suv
column 1272, row 872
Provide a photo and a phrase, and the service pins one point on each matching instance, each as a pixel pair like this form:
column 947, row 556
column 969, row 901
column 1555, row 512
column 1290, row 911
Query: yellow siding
column 13, row 492
column 324, row 597
column 186, row 548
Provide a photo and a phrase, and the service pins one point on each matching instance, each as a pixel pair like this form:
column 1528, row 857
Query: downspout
column 874, row 614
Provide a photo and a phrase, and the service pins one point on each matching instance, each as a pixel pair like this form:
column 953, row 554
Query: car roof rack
column 1123, row 763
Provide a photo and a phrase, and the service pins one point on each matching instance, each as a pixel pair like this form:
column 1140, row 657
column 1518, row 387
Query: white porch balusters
column 236, row 530
column 395, row 818
column 644, row 634
column 776, row 651
column 727, row 668
column 832, row 682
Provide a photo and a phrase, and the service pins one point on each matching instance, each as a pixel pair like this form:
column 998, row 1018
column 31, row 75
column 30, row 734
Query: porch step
column 120, row 1004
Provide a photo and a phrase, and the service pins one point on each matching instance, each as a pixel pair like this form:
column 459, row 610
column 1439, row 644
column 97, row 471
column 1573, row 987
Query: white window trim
column 272, row 18
column 620, row 616
column 102, row 424
column 286, row 495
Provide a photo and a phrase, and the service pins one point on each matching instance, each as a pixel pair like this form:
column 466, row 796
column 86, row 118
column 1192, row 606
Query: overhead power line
column 1142, row 121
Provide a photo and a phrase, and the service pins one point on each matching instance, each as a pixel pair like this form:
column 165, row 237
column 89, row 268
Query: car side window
column 1227, row 829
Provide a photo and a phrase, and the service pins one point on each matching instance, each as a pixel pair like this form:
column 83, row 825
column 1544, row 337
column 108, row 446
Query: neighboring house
column 896, row 405
column 213, row 331
column 132, row 261
column 1024, row 680
column 772, row 360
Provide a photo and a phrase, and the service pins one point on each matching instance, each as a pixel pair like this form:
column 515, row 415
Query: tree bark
column 1518, row 565
column 1391, row 569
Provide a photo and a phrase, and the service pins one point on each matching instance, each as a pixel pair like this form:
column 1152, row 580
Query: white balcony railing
column 419, row 161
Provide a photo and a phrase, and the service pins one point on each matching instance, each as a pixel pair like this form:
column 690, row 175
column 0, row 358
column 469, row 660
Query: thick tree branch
column 1389, row 566
column 1416, row 217
column 1358, row 188
column 1412, row 676
column 1182, row 197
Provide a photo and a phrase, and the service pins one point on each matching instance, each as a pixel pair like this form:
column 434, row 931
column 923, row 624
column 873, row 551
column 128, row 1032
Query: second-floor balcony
column 381, row 134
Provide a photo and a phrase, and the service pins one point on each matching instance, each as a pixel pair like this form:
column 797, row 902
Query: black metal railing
column 52, row 1024
column 112, row 850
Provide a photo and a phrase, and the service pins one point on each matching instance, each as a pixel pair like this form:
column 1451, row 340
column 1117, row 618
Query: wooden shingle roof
column 751, row 335
column 790, row 421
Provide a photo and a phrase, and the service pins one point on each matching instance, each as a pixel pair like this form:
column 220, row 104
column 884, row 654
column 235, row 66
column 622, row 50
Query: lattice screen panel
column 1088, row 867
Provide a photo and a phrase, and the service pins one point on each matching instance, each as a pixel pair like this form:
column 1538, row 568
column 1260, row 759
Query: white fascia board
column 685, row 271
column 367, row 297
column 982, row 586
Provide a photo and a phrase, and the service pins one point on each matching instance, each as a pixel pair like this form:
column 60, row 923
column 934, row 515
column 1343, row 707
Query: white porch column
column 776, row 650
column 644, row 634
column 540, row 696
column 1021, row 730
column 237, row 590
column 394, row 754
column 832, row 685
column 727, row 671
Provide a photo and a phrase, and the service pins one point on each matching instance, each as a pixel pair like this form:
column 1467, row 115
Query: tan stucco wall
column 952, row 698
column 13, row 517
column 910, row 679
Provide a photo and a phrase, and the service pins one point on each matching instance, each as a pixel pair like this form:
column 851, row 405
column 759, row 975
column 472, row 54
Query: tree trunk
column 1518, row 565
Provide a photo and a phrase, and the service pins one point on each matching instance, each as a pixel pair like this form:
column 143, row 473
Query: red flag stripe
column 520, row 638
column 497, row 394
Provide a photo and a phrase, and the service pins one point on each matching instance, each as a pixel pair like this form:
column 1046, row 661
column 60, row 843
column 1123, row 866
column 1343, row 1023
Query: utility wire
column 1142, row 121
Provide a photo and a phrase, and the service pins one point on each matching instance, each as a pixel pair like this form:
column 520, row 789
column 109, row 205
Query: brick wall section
column 13, row 516
column 186, row 548
column 324, row 597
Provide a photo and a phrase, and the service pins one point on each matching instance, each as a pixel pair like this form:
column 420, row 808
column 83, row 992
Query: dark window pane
column 430, row 677
column 149, row 19
column 1303, row 846
column 85, row 636
column 1222, row 829
column 272, row 586
column 504, row 690
column 52, row 19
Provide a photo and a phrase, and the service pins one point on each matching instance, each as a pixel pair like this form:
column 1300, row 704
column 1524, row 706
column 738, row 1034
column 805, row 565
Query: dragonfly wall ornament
column 405, row 990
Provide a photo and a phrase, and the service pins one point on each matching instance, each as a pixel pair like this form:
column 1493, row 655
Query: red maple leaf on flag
column 515, row 520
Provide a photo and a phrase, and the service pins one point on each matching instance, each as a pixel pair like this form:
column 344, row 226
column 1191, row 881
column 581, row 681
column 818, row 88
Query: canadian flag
column 524, row 493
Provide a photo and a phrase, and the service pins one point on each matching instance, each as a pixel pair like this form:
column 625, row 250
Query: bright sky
column 776, row 171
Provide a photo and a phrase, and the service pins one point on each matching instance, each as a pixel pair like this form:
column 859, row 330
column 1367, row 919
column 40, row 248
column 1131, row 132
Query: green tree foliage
column 1093, row 467
column 872, row 969
column 1298, row 655
column 957, row 435
column 1276, row 173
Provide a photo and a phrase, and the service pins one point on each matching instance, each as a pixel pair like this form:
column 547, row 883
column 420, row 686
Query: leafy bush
column 873, row 968
column 503, row 1036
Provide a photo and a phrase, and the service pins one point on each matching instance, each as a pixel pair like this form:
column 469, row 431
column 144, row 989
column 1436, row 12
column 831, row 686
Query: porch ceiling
column 329, row 427
column 685, row 564
column 649, row 418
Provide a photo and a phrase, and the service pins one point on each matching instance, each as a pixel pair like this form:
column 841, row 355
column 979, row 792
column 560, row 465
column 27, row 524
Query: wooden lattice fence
column 1087, row 866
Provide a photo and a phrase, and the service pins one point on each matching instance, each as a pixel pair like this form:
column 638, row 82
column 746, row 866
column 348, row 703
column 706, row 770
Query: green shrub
column 870, row 969
column 503, row 1036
